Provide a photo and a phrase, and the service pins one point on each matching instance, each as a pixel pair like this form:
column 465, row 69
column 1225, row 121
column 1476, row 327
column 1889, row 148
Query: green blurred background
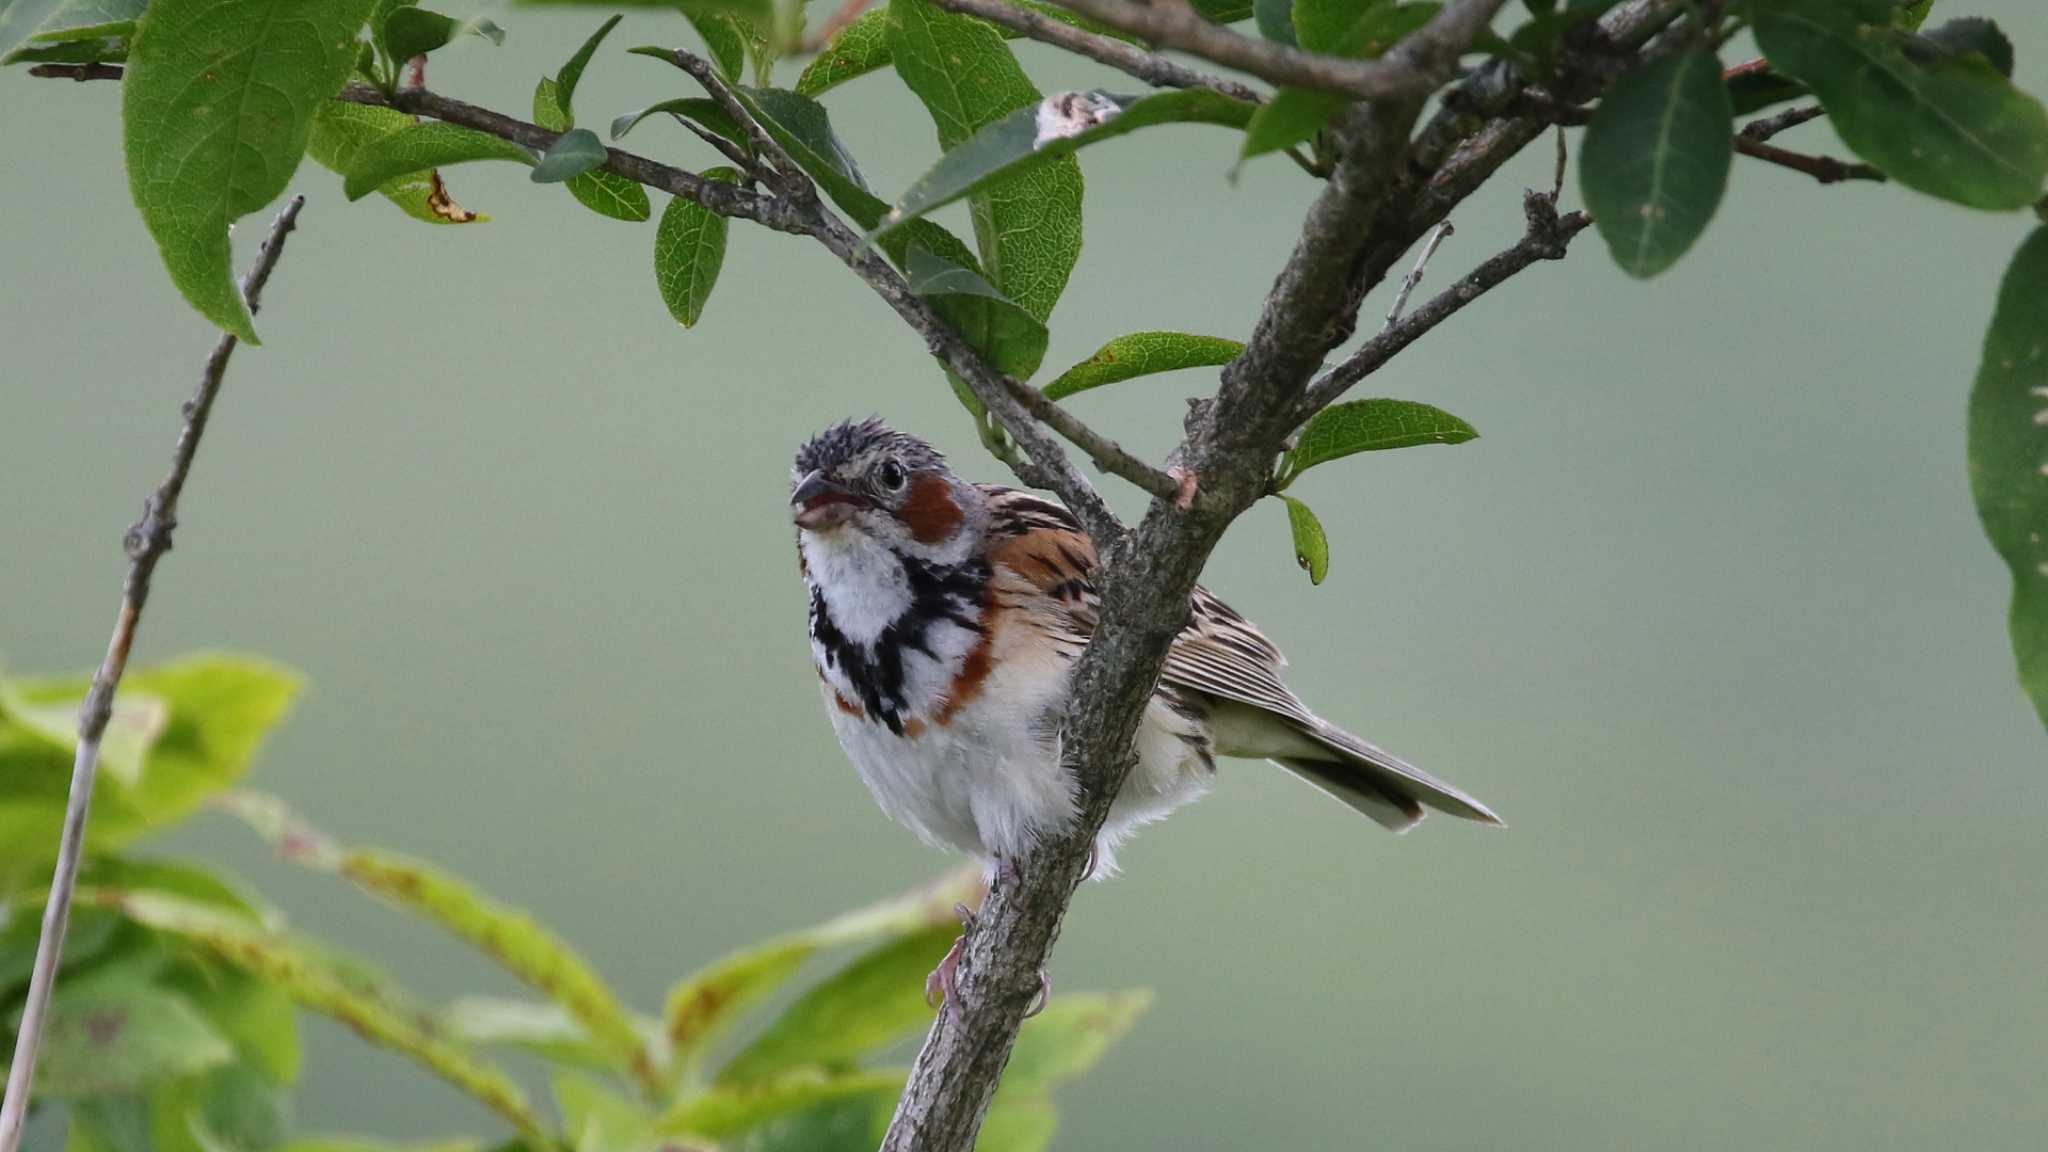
column 1706, row 615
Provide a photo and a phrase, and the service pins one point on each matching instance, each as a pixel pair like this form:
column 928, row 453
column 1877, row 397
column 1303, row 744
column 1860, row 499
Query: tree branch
column 1414, row 67
column 1107, row 454
column 145, row 544
column 1768, row 126
column 1825, row 169
column 1152, row 68
column 1547, row 238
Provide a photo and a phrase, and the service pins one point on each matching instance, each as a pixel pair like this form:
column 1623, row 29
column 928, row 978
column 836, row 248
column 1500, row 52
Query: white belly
column 990, row 782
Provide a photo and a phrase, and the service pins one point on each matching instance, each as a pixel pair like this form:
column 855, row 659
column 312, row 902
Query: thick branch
column 145, row 544
column 1415, row 67
column 1547, row 239
column 1152, row 68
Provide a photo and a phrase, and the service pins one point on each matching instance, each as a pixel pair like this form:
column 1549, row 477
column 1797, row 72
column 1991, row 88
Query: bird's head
column 866, row 479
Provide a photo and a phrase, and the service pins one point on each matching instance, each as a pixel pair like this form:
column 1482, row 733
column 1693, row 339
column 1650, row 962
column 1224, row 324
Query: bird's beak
column 818, row 503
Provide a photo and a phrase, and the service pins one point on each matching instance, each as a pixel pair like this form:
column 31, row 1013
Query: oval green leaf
column 2009, row 453
column 1294, row 115
column 1311, row 547
column 1028, row 229
column 420, row 147
column 1655, row 160
column 575, row 152
column 1143, row 354
column 1369, row 426
column 689, row 249
column 1943, row 124
column 115, row 1034
column 705, row 112
column 1019, row 142
column 410, row 32
column 216, row 105
column 565, row 80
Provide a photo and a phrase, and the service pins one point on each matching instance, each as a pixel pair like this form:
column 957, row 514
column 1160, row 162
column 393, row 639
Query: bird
column 946, row 618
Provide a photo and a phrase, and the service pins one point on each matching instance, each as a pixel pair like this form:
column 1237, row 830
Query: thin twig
column 1548, row 237
column 1825, row 169
column 1414, row 276
column 1107, row 454
column 1418, row 64
column 1769, row 126
column 790, row 179
column 1152, row 68
column 145, row 544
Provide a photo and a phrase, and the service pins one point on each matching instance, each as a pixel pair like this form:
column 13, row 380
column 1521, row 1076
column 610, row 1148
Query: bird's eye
column 890, row 475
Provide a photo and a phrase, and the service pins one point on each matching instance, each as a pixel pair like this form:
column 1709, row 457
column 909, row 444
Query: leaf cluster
column 175, row 1025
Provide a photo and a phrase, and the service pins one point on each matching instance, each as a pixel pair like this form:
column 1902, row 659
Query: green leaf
column 1910, row 16
column 96, row 26
column 317, row 985
column 2009, row 453
column 1143, row 354
column 1973, row 34
column 855, row 50
column 863, row 45
column 1010, row 338
column 543, row 1027
column 689, row 249
column 1018, row 1122
column 234, row 1108
column 605, row 193
column 760, row 11
column 1369, row 426
column 363, row 1144
column 419, row 148
column 1028, row 229
column 731, row 1109
column 804, row 129
column 577, row 151
column 1007, row 148
column 706, row 1004
column 510, row 936
column 597, row 1119
column 1655, row 160
column 866, row 1005
column 134, row 724
column 1275, row 20
column 112, row 1036
column 341, row 131
column 255, row 1015
column 221, row 708
column 408, row 32
column 1752, row 92
column 726, row 43
column 216, row 106
column 22, row 19
column 565, row 80
column 1311, row 547
column 1321, row 25
column 1948, row 126
column 704, row 111
column 1294, row 115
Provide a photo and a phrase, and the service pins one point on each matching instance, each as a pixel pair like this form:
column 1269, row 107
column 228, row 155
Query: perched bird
column 945, row 621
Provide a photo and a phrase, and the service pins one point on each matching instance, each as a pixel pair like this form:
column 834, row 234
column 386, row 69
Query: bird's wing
column 1047, row 566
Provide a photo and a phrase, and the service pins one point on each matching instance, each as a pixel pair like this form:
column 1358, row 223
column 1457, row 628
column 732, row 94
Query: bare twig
column 1417, row 65
column 1107, row 454
column 789, row 178
column 1547, row 238
column 1825, row 169
column 145, row 544
column 1414, row 277
column 1154, row 69
column 1766, row 127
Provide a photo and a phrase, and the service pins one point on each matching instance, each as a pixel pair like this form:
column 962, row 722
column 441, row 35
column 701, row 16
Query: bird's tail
column 1372, row 780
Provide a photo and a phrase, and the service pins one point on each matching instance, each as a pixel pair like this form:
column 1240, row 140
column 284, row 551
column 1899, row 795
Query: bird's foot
column 938, row 987
column 1037, row 1004
column 1184, row 495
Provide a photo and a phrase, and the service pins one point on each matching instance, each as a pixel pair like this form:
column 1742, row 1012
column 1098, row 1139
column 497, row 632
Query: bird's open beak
column 818, row 503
